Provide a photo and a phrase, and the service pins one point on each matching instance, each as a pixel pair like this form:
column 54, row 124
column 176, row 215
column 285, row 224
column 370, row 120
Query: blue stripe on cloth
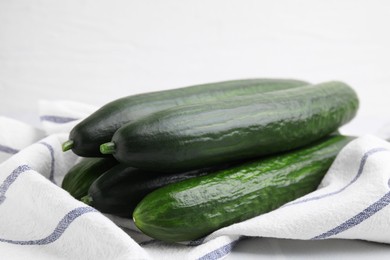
column 58, row 231
column 11, row 179
column 7, row 149
column 57, row 119
column 52, row 163
column 358, row 218
column 359, row 173
column 220, row 252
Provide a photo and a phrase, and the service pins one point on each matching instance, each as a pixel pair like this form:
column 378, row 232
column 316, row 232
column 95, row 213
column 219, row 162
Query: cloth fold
column 39, row 220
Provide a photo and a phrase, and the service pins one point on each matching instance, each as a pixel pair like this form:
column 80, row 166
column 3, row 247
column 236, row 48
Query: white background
column 97, row 51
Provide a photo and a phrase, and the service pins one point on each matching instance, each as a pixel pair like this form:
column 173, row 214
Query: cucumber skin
column 197, row 136
column 100, row 126
column 80, row 177
column 196, row 207
column 120, row 189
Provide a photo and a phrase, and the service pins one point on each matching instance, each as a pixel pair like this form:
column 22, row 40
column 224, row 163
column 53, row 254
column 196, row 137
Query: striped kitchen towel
column 39, row 220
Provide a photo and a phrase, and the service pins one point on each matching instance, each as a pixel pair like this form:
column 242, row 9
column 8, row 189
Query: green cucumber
column 198, row 136
column 120, row 189
column 98, row 128
column 193, row 208
column 80, row 177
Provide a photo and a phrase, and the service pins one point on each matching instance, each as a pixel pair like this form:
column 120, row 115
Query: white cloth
column 39, row 220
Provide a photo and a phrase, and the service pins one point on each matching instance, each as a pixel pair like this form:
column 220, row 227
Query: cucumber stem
column 87, row 199
column 107, row 148
column 67, row 145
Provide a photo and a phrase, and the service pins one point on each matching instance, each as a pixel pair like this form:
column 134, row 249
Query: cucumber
column 86, row 137
column 80, row 177
column 120, row 189
column 193, row 208
column 197, row 136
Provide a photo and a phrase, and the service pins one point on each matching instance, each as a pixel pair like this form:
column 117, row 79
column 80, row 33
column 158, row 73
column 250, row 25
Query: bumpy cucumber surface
column 86, row 137
column 120, row 189
column 196, row 207
column 197, row 136
column 80, row 177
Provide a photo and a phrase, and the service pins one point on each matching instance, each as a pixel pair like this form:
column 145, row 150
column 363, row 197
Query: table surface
column 97, row 51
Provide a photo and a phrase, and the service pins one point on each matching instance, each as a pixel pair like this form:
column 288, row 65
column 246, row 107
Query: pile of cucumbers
column 183, row 163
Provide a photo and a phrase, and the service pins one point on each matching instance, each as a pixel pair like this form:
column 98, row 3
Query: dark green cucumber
column 196, row 207
column 86, row 137
column 120, row 189
column 197, row 136
column 80, row 177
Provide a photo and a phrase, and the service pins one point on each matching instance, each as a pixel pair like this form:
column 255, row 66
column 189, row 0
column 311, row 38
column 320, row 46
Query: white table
column 96, row 51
